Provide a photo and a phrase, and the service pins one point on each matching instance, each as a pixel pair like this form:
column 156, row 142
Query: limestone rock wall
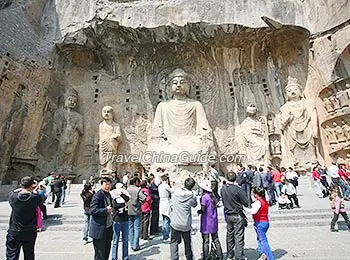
column 119, row 53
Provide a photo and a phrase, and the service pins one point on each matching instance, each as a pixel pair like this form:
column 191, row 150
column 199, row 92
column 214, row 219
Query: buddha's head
column 251, row 110
column 180, row 83
column 70, row 98
column 294, row 90
column 107, row 113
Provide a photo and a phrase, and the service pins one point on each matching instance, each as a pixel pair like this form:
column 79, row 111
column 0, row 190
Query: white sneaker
column 262, row 257
column 85, row 242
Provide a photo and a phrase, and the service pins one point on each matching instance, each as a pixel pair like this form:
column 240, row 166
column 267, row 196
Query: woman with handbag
column 209, row 223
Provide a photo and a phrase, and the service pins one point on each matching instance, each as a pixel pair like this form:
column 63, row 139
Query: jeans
column 235, row 236
column 166, row 227
column 117, row 228
column 263, row 245
column 86, row 226
column 206, row 248
column 63, row 196
column 176, row 238
column 14, row 244
column 134, row 231
column 278, row 188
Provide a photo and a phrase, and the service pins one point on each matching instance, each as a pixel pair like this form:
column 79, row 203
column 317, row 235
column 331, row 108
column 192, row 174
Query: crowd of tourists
column 131, row 208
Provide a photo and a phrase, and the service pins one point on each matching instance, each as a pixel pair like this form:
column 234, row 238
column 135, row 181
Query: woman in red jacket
column 260, row 211
column 146, row 210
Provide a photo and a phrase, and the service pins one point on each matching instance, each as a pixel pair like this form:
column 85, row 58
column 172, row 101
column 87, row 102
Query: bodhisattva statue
column 252, row 137
column 332, row 138
column 180, row 124
column 346, row 130
column 299, row 127
column 68, row 126
column 338, row 130
column 328, row 105
column 108, row 142
column 342, row 98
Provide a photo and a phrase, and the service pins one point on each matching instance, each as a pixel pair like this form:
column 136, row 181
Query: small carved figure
column 347, row 90
column 332, row 138
column 342, row 98
column 339, row 133
column 335, row 103
column 270, row 124
column 346, row 130
column 328, row 105
column 275, row 147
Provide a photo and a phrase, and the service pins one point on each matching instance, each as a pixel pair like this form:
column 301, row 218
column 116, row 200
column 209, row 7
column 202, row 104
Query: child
column 209, row 220
column 283, row 201
column 337, row 205
column 260, row 211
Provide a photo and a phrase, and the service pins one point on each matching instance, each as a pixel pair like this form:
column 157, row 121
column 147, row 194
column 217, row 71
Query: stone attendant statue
column 328, row 105
column 299, row 126
column 68, row 127
column 342, row 98
column 270, row 124
column 339, row 133
column 252, row 137
column 109, row 140
column 180, row 124
column 332, row 138
column 346, row 130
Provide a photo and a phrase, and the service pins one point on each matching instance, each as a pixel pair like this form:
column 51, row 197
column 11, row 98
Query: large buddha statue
column 67, row 128
column 180, row 124
column 299, row 127
column 252, row 138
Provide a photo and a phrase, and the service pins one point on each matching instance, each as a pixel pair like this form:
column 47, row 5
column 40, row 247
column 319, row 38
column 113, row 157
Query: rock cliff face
column 119, row 53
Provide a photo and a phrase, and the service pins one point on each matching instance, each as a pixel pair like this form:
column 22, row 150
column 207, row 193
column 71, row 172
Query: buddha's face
column 107, row 113
column 180, row 86
column 293, row 92
column 70, row 102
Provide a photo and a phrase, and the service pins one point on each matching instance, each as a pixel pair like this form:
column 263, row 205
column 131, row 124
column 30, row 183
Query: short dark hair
column 259, row 191
column 164, row 177
column 231, row 176
column 105, row 179
column 143, row 184
column 269, row 168
column 189, row 183
column 27, row 182
column 261, row 169
column 239, row 165
column 134, row 180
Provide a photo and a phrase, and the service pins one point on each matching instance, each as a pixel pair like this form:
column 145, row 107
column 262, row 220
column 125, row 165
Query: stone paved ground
column 63, row 240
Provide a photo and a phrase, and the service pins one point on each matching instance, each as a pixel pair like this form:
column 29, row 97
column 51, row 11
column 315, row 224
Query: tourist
column 283, row 201
column 86, row 195
column 323, row 176
column 289, row 189
column 146, row 210
column 209, row 220
column 292, row 177
column 120, row 198
column 165, row 191
column 270, row 186
column 320, row 190
column 134, row 211
column 42, row 194
column 234, row 198
column 276, row 177
column 257, row 181
column 101, row 222
column 64, row 188
column 337, row 205
column 154, row 229
column 260, row 211
column 49, row 180
column 181, row 219
column 333, row 172
column 22, row 230
column 57, row 190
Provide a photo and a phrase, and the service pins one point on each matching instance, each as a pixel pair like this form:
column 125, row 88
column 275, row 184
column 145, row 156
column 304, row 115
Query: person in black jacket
column 234, row 198
column 86, row 195
column 101, row 220
column 120, row 220
column 154, row 229
column 57, row 190
column 22, row 231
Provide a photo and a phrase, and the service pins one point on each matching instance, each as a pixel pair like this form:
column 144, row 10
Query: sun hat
column 206, row 185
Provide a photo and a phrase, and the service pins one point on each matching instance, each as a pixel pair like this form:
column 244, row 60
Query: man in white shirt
column 289, row 189
column 333, row 172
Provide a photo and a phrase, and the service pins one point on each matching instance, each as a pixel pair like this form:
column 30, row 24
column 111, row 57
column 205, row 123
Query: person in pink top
column 146, row 210
column 321, row 191
column 276, row 177
column 260, row 211
column 337, row 205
